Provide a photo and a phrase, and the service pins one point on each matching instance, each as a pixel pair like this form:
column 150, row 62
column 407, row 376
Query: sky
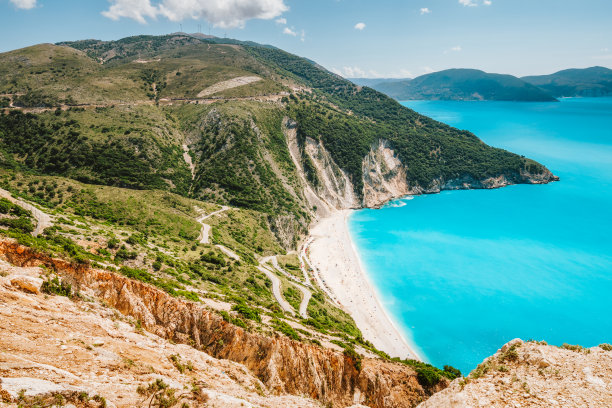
column 355, row 38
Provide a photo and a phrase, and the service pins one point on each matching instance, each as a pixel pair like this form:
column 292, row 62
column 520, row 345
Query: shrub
column 284, row 328
column 572, row 347
column 427, row 377
column 113, row 243
column 56, row 287
column 510, row 355
column 247, row 312
column 606, row 347
column 351, row 354
column 137, row 274
column 452, row 372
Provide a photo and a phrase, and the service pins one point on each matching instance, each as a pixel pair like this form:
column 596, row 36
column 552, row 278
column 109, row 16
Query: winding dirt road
column 276, row 290
column 43, row 220
column 205, row 232
column 306, row 293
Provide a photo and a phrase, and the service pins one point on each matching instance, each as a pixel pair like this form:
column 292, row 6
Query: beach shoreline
column 333, row 254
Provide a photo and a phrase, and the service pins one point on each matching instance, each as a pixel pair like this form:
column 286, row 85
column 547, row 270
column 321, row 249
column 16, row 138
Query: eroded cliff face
column 525, row 374
column 384, row 176
column 283, row 365
column 334, row 190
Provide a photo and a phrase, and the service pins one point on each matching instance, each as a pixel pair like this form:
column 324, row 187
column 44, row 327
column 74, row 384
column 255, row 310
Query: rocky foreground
column 532, row 374
column 128, row 344
column 121, row 343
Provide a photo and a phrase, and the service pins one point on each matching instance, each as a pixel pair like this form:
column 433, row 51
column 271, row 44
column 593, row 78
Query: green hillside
column 588, row 82
column 125, row 119
column 464, row 84
column 126, row 143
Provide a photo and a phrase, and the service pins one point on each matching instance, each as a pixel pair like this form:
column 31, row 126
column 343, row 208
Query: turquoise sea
column 463, row 272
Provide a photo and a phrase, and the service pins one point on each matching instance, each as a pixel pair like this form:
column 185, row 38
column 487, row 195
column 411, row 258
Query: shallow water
column 463, row 272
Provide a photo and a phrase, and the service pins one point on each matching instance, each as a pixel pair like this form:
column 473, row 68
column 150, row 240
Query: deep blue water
column 463, row 272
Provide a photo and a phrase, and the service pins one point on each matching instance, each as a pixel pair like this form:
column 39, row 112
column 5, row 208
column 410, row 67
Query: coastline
column 334, row 255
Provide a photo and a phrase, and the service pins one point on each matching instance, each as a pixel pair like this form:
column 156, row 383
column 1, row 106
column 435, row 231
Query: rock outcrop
column 529, row 374
column 384, row 176
column 283, row 365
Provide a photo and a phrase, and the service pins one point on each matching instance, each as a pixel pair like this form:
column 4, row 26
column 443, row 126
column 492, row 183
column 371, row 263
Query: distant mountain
column 464, row 84
column 594, row 81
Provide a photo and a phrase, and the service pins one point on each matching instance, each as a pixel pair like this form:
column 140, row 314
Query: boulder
column 27, row 283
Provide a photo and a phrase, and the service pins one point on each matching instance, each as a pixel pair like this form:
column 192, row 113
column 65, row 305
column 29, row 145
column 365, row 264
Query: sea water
column 463, row 272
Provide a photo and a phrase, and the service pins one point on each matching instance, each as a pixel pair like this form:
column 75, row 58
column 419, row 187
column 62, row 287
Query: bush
column 510, row 355
column 452, row 372
column 284, row 328
column 112, row 243
column 137, row 274
column 427, row 377
column 247, row 312
column 22, row 224
column 350, row 353
column 56, row 287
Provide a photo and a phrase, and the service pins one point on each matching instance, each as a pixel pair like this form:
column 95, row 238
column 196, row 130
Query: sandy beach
column 332, row 253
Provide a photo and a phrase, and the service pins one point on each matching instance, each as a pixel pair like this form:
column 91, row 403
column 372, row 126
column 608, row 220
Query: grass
column 293, row 296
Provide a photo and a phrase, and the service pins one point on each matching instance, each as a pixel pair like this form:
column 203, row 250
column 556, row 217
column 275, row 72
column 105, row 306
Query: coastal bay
column 464, row 271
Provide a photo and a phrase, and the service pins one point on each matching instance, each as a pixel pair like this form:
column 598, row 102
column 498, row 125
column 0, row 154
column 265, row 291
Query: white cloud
column 281, row 20
column 404, row 73
column 428, row 70
column 24, row 4
column 289, row 31
column 350, row 72
column 456, row 48
column 221, row 13
column 425, row 10
column 360, row 26
column 357, row 72
column 303, row 36
column 474, row 3
column 137, row 10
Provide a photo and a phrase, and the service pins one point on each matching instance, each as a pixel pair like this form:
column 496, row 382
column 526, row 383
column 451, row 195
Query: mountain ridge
column 471, row 84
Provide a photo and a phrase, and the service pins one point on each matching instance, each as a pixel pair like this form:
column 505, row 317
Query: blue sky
column 383, row 38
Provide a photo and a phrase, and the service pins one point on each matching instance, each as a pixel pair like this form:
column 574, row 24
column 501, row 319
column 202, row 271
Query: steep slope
column 594, row 81
column 284, row 366
column 531, row 374
column 464, row 84
column 93, row 356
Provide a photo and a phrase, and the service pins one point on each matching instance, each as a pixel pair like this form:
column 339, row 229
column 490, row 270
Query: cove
column 463, row 272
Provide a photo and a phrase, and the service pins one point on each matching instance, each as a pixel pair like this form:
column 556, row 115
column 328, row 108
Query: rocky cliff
column 384, row 178
column 531, row 374
column 283, row 365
